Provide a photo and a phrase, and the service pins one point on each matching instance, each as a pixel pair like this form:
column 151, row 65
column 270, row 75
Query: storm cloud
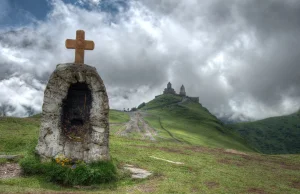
column 240, row 57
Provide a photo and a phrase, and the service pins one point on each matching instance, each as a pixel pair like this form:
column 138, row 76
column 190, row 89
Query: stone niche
column 75, row 115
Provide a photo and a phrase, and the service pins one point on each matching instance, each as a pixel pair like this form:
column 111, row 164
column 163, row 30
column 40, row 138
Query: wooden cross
column 80, row 44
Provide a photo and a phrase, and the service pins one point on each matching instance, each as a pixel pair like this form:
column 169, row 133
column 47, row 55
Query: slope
column 186, row 121
column 276, row 135
column 204, row 170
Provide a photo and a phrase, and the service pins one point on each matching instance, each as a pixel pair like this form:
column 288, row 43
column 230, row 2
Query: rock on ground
column 137, row 173
column 9, row 170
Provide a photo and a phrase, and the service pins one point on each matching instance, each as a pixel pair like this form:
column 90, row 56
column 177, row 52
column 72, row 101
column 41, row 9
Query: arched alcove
column 76, row 112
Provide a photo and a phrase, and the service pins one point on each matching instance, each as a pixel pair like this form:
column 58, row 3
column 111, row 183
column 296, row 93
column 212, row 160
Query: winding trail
column 171, row 135
column 137, row 126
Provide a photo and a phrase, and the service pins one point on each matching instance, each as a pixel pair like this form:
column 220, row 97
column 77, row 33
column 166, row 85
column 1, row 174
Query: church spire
column 182, row 91
column 169, row 85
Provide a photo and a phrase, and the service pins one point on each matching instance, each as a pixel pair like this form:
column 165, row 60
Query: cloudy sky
column 241, row 57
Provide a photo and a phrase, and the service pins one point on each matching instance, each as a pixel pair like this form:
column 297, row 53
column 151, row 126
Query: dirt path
column 171, row 135
column 137, row 126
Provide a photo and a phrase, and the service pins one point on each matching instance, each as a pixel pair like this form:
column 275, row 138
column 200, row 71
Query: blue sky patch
column 14, row 13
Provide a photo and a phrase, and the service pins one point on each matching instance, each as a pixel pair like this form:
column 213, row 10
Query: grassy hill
column 18, row 134
column 189, row 122
column 205, row 169
column 276, row 135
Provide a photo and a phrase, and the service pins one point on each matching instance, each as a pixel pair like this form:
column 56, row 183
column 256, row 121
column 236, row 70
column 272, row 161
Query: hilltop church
column 170, row 90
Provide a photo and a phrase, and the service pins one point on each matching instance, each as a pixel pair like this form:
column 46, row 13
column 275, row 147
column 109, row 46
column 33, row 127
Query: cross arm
column 70, row 44
column 89, row 45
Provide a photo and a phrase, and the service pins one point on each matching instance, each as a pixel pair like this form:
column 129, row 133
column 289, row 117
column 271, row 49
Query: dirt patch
column 289, row 166
column 211, row 184
column 272, row 161
column 296, row 184
column 10, row 170
column 202, row 149
column 173, row 150
column 195, row 189
column 268, row 161
column 235, row 152
column 85, row 187
column 216, row 151
column 256, row 190
column 253, row 158
column 166, row 149
column 146, row 188
column 230, row 161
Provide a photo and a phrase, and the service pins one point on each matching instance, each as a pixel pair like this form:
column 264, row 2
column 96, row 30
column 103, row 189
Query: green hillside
column 189, row 122
column 204, row 169
column 276, row 135
column 18, row 134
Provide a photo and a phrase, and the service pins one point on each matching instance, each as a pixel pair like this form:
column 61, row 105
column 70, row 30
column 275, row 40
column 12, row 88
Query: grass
column 206, row 169
column 190, row 123
column 70, row 173
column 117, row 119
column 163, row 100
column 277, row 135
column 18, row 134
column 116, row 116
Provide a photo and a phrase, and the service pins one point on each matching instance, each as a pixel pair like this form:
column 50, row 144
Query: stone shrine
column 75, row 110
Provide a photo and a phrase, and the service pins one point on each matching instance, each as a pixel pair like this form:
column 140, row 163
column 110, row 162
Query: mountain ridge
column 274, row 135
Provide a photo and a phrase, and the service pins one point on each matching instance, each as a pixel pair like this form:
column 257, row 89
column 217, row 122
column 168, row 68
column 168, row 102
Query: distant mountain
column 276, row 135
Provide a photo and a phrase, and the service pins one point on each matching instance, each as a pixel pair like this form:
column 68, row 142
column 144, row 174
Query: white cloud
column 20, row 90
column 89, row 2
column 207, row 46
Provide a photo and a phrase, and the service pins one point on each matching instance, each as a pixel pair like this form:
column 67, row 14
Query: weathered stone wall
column 52, row 142
column 194, row 99
column 169, row 91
